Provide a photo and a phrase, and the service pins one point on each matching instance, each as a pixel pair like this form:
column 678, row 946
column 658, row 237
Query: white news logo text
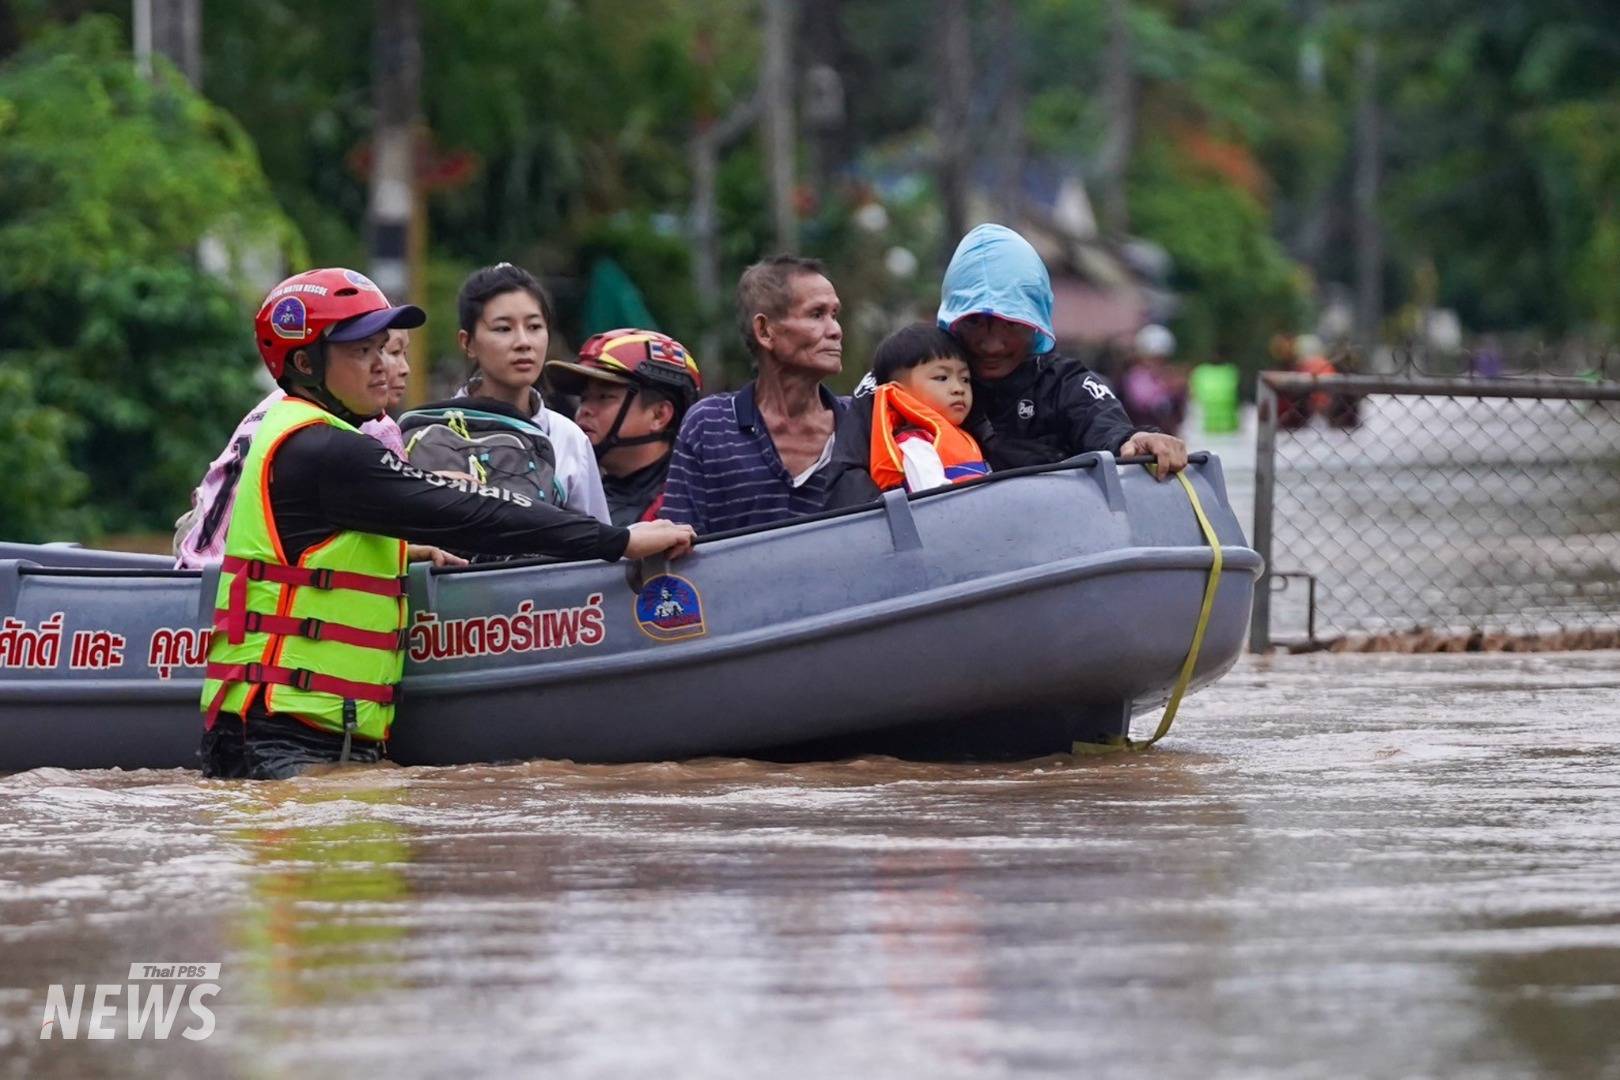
column 154, row 999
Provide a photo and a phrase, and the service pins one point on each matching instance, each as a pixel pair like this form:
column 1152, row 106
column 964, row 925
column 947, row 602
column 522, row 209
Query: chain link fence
column 1423, row 512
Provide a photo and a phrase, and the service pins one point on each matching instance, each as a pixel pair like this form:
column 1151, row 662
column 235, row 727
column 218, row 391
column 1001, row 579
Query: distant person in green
column 1214, row 386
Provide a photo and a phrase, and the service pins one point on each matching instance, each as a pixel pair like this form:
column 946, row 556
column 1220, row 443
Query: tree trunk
column 776, row 85
column 1119, row 96
column 396, row 83
column 703, row 157
column 823, row 113
column 1009, row 115
column 1369, row 241
column 172, row 29
column 954, row 78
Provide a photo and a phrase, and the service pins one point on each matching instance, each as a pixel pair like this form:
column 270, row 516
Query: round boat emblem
column 668, row 608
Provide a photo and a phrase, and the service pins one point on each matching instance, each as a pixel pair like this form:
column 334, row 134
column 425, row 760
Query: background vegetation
column 140, row 218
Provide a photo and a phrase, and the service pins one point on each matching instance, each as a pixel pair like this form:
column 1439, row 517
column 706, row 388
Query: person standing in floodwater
column 307, row 652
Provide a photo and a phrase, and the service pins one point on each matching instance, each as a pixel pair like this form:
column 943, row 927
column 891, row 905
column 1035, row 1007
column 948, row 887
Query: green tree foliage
column 42, row 487
column 1580, row 173
column 102, row 168
column 1503, row 156
column 577, row 114
column 1238, row 287
column 132, row 361
column 1219, row 138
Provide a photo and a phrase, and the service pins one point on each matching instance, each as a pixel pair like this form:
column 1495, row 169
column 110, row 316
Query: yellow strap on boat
column 1125, row 742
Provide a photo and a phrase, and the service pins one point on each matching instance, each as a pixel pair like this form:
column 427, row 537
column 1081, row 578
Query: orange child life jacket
column 894, row 409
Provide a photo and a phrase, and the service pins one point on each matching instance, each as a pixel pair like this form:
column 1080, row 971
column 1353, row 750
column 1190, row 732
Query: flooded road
column 1336, row 866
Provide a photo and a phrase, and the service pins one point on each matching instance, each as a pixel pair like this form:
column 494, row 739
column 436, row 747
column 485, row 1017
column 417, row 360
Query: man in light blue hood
column 1038, row 406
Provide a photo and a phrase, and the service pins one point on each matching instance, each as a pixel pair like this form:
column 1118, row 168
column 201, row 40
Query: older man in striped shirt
column 760, row 454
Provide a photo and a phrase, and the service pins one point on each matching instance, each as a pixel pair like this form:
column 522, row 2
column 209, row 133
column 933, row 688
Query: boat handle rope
column 1119, row 743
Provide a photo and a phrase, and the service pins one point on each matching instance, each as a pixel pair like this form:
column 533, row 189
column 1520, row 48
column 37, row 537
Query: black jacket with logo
column 1050, row 408
column 630, row 498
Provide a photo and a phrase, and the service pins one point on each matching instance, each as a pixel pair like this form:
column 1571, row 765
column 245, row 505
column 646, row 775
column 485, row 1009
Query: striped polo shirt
column 725, row 473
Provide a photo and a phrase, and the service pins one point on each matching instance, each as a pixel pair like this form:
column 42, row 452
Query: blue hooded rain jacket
column 1051, row 407
column 996, row 272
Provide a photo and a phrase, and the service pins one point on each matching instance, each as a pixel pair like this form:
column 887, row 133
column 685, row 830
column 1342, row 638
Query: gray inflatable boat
column 1003, row 618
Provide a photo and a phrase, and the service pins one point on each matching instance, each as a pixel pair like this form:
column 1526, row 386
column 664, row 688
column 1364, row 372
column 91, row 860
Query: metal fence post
column 1435, row 511
column 1265, row 475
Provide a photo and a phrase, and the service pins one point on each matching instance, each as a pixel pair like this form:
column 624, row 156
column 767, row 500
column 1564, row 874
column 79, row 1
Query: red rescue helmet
column 334, row 304
column 644, row 359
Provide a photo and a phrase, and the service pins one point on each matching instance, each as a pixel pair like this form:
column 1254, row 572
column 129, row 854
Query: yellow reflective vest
column 322, row 639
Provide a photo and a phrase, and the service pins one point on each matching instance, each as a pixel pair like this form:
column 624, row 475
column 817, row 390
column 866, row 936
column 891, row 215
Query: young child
column 1042, row 407
column 922, row 395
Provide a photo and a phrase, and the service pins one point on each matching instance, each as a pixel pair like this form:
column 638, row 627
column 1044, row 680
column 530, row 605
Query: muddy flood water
column 1336, row 866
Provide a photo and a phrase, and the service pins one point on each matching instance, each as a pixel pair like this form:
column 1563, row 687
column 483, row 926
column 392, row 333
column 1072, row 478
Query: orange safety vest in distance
column 894, row 409
column 1320, row 401
column 323, row 638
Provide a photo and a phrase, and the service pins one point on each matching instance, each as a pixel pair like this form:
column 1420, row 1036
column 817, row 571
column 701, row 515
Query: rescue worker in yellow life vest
column 310, row 614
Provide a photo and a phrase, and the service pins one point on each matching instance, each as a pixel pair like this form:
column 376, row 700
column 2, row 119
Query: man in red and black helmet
column 634, row 386
column 309, row 616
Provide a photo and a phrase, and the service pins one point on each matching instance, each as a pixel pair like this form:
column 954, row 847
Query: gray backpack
column 486, row 439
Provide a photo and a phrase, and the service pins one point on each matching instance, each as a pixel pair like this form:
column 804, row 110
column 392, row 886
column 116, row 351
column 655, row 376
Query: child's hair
column 912, row 345
column 484, row 285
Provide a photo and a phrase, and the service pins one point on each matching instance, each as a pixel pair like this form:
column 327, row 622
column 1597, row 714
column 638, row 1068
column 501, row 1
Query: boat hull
column 999, row 619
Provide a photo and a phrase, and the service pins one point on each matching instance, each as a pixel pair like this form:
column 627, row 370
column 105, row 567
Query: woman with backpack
column 506, row 323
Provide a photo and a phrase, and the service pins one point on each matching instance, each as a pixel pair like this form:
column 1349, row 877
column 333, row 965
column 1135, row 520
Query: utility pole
column 822, row 110
column 172, row 29
column 394, row 213
column 776, row 91
column 955, row 82
column 1369, row 241
column 1009, row 115
column 1310, row 233
column 10, row 32
column 1119, row 99
column 703, row 154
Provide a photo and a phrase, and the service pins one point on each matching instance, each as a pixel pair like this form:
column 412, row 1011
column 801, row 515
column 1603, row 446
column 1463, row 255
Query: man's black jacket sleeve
column 324, row 479
column 1052, row 407
column 1092, row 417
